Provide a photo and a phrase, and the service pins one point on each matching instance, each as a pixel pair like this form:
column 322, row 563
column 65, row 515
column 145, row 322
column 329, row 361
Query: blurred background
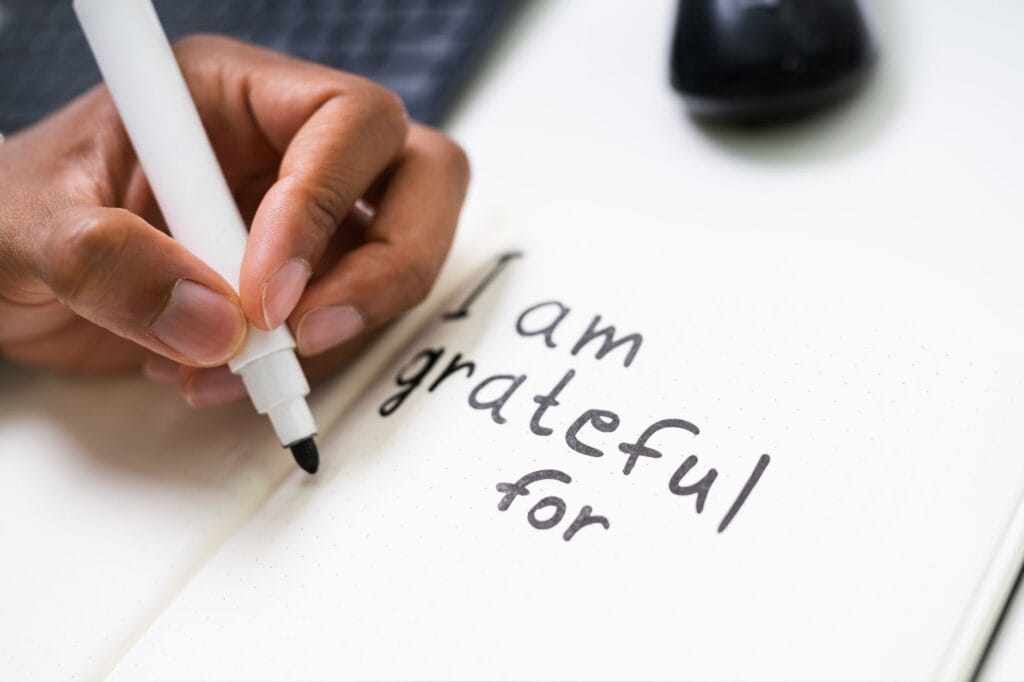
column 424, row 50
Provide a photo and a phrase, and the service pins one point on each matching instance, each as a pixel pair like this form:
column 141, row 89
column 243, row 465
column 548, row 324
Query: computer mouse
column 767, row 59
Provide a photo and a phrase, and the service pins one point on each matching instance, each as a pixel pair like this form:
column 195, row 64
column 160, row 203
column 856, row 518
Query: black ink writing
column 544, row 318
column 463, row 310
column 548, row 329
column 538, row 516
column 544, row 401
column 755, row 476
column 640, row 448
column 520, row 489
column 609, row 342
column 495, row 405
column 584, row 434
column 602, row 420
column 700, row 488
column 583, row 519
column 543, row 524
column 424, row 360
column 454, row 366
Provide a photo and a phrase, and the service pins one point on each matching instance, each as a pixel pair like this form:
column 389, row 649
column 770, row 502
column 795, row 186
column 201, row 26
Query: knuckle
column 456, row 159
column 385, row 102
column 203, row 53
column 417, row 281
column 85, row 250
column 392, row 109
column 383, row 108
column 327, row 200
column 446, row 152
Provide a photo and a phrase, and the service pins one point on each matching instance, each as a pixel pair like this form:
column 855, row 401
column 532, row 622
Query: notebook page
column 826, row 478
column 113, row 493
column 903, row 204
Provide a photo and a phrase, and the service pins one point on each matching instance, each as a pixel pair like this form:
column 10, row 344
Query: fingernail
column 283, row 290
column 322, row 328
column 160, row 369
column 212, row 387
column 199, row 323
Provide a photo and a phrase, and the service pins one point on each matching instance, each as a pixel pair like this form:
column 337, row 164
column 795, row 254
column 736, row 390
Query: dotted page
column 825, row 482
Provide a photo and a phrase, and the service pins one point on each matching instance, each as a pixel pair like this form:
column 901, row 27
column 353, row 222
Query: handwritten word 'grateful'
column 483, row 396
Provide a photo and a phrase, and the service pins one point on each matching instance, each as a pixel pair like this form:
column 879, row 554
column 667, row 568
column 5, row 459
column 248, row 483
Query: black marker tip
column 306, row 454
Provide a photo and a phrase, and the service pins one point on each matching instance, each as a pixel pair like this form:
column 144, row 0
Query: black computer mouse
column 767, row 59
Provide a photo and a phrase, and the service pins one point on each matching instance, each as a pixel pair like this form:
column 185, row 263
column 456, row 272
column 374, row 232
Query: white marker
column 149, row 91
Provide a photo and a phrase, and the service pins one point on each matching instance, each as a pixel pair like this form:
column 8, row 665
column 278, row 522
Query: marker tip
column 306, row 454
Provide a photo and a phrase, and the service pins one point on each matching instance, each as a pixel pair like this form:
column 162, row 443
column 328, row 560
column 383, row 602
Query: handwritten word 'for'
column 521, row 489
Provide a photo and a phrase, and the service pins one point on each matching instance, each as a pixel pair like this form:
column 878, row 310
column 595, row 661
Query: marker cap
column 277, row 386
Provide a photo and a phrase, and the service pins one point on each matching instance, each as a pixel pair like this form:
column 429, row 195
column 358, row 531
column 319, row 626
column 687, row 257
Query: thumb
column 115, row 269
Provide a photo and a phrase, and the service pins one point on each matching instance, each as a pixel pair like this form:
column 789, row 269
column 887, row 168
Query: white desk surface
column 576, row 104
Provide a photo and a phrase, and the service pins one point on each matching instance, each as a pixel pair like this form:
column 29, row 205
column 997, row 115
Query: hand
column 90, row 280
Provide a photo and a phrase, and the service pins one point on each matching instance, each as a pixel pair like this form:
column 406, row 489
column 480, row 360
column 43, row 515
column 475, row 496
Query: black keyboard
column 422, row 49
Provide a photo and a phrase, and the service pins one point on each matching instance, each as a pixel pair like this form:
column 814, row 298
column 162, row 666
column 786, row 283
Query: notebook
column 829, row 486
column 602, row 476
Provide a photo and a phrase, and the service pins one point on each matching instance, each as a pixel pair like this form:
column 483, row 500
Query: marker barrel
column 161, row 119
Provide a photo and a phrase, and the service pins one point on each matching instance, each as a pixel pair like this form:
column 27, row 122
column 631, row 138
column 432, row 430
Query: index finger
column 406, row 244
column 336, row 133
